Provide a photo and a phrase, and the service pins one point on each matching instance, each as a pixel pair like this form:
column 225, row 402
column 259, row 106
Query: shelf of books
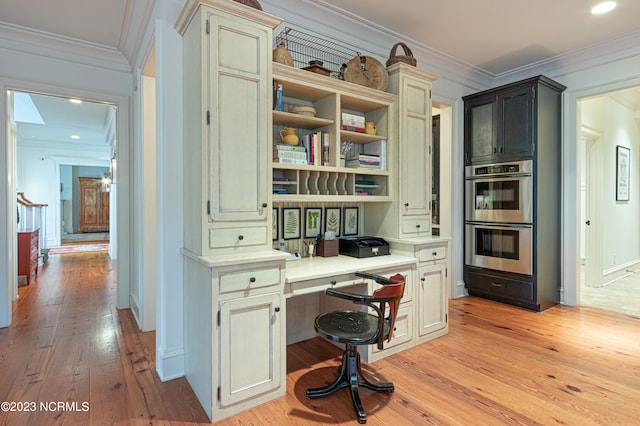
column 339, row 151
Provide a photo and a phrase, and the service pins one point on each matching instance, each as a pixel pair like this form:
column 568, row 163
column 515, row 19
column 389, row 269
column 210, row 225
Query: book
column 378, row 148
column 284, row 147
column 353, row 120
column 277, row 96
column 291, row 155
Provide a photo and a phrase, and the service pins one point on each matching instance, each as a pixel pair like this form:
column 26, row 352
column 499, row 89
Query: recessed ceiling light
column 75, row 101
column 603, row 7
column 75, row 137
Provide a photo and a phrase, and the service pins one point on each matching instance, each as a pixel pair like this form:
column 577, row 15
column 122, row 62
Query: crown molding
column 40, row 43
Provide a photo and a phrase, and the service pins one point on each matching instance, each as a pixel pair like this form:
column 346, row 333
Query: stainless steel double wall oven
column 499, row 217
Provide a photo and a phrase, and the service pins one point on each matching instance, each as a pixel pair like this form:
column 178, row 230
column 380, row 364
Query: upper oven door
column 506, row 199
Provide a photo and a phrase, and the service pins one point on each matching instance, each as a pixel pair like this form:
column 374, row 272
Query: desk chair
column 354, row 328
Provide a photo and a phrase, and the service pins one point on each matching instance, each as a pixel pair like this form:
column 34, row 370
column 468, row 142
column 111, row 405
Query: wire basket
column 305, row 48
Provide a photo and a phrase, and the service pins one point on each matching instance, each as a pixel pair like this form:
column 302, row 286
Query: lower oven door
column 507, row 248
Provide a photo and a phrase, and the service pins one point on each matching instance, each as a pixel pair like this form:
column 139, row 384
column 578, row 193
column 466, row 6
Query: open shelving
column 331, row 97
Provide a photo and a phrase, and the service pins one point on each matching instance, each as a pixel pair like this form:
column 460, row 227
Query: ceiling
column 492, row 36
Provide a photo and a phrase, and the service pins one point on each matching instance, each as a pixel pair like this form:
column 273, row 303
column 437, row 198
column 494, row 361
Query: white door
column 432, row 300
column 250, row 347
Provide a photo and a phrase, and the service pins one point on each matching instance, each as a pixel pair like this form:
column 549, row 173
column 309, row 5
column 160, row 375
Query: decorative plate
column 367, row 71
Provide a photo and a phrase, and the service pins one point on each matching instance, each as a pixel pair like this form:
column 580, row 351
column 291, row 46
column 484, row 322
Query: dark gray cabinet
column 521, row 121
column 501, row 124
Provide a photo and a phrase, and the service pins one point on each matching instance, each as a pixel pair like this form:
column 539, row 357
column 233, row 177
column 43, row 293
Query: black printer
column 363, row 246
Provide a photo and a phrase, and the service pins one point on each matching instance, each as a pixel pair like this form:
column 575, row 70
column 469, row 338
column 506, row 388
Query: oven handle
column 499, row 225
column 489, row 178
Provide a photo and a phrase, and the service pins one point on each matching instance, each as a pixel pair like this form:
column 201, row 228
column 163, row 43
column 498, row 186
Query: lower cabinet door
column 432, row 299
column 250, row 347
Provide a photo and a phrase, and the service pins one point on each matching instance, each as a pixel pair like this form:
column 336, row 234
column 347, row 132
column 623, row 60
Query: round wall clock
column 367, row 71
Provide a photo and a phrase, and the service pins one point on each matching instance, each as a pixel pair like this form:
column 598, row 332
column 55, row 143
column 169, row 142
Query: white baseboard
column 169, row 365
column 618, row 272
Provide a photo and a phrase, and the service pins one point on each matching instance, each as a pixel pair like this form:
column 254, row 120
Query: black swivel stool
column 355, row 328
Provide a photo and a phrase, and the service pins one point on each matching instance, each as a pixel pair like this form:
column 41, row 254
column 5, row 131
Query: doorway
column 8, row 185
column 609, row 226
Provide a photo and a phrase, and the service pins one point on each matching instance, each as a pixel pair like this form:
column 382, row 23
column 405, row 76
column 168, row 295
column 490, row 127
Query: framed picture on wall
column 291, row 223
column 312, row 222
column 274, row 224
column 332, row 222
column 622, row 173
column 350, row 220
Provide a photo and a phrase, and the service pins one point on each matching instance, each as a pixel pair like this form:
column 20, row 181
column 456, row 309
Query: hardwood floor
column 498, row 365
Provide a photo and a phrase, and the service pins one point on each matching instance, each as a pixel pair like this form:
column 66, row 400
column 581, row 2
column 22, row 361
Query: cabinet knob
column 252, row 279
column 277, row 309
column 435, row 253
column 264, row 205
column 333, row 282
column 241, row 237
column 406, row 204
column 418, row 226
column 423, row 279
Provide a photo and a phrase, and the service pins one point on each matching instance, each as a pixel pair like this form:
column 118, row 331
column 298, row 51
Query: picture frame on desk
column 350, row 221
column 291, row 223
column 332, row 220
column 312, row 222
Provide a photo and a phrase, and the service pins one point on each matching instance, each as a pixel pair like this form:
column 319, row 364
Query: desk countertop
column 323, row 267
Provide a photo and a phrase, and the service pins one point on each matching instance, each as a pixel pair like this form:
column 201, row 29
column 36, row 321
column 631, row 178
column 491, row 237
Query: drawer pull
column 496, row 285
column 241, row 237
column 252, row 279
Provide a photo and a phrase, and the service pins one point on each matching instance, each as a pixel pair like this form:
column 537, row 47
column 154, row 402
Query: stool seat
column 354, row 327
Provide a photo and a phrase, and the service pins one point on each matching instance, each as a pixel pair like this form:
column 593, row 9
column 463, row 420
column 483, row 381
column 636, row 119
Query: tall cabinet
column 521, row 121
column 234, row 321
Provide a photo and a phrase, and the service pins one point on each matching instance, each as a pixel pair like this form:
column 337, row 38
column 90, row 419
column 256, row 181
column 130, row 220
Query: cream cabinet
column 234, row 326
column 227, row 126
column 411, row 210
column 431, row 284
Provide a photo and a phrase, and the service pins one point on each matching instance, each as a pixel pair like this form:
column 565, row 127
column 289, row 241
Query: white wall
column 621, row 236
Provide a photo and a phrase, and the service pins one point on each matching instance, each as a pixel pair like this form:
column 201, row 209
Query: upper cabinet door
column 516, row 124
column 415, row 140
column 480, row 128
column 239, row 118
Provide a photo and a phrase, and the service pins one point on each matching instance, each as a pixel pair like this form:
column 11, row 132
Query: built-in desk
column 242, row 309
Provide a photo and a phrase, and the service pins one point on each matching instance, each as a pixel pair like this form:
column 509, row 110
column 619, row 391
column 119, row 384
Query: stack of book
column 289, row 154
column 353, row 122
column 363, row 161
column 317, row 146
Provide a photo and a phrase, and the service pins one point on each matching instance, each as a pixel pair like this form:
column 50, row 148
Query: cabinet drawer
column 249, row 279
column 237, row 237
column 416, row 226
column 321, row 284
column 499, row 287
column 432, row 253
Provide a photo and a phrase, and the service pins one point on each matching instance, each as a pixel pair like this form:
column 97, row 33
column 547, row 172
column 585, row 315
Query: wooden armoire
column 94, row 206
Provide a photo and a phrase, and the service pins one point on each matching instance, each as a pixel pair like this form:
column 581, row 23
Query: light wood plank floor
column 498, row 365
